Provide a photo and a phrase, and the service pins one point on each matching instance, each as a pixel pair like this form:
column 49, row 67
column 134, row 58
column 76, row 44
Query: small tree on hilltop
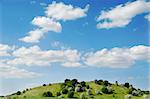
column 127, row 84
column 83, row 84
column 18, row 93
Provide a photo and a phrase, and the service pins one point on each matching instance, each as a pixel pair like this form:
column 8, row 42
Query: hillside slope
column 89, row 90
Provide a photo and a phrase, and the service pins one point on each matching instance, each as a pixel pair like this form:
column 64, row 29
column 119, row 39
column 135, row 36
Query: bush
column 106, row 83
column 67, row 80
column 47, row 94
column 116, row 83
column 58, row 94
column 23, row 91
column 87, row 86
column 104, row 90
column 127, row 85
column 70, row 94
column 18, row 93
column 64, row 91
column 83, row 84
column 44, row 84
column 74, row 82
column 100, row 82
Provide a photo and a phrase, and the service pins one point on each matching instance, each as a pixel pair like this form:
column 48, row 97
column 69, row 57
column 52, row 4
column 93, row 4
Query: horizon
column 51, row 40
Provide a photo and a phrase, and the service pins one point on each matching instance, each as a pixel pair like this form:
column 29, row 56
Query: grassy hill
column 80, row 90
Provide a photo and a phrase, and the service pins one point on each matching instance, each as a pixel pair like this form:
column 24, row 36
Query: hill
column 97, row 89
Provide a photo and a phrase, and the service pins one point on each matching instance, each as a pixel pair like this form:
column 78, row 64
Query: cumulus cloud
column 5, row 50
column 30, row 57
column 7, row 71
column 45, row 25
column 147, row 17
column 61, row 11
column 54, row 13
column 33, row 36
column 118, row 57
column 123, row 14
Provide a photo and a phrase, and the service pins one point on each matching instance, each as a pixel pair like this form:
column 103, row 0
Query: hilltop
column 97, row 89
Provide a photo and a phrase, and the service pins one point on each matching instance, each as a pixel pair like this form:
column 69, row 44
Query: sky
column 47, row 41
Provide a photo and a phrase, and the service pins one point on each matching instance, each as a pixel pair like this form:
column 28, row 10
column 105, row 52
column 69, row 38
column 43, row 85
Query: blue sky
column 77, row 36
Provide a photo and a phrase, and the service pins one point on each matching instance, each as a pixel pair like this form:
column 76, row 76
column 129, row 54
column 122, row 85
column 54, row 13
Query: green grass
column 36, row 93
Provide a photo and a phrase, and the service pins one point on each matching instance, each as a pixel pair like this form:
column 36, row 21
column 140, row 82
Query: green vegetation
column 97, row 89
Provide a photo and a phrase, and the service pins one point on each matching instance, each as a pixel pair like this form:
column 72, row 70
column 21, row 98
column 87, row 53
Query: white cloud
column 147, row 17
column 118, row 57
column 5, row 50
column 123, row 14
column 61, row 11
column 47, row 24
column 8, row 71
column 54, row 12
column 34, row 56
column 33, row 36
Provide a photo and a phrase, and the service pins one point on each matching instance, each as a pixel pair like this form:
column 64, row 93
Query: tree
column 104, row 90
column 67, row 80
column 47, row 94
column 70, row 94
column 127, row 84
column 18, row 93
column 87, row 86
column 106, row 83
column 116, row 83
column 58, row 93
column 83, row 84
column 44, row 84
column 64, row 91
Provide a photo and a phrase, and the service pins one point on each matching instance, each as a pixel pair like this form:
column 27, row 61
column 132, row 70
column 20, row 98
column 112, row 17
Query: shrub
column 70, row 94
column 95, row 81
column 127, row 84
column 74, row 82
column 44, row 84
column 83, row 84
column 116, row 83
column 23, row 91
column 89, row 92
column 47, row 94
column 78, row 89
column 100, row 82
column 106, row 83
column 67, row 80
column 18, row 93
column 58, row 94
column 64, row 91
column 104, row 90
column 87, row 86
